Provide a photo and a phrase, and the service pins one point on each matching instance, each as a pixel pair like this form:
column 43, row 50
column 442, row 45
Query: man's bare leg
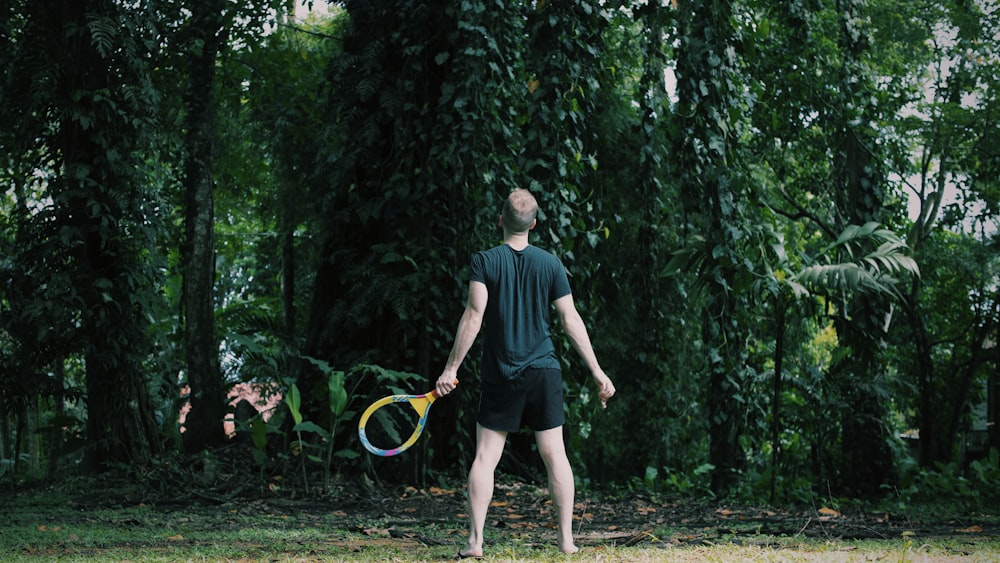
column 561, row 486
column 489, row 448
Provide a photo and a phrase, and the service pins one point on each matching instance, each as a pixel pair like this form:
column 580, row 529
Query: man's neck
column 516, row 241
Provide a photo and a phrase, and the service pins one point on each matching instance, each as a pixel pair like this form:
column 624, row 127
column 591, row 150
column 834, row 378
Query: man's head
column 519, row 212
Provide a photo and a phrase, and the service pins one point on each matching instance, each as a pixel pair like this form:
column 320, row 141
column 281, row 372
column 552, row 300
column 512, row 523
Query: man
column 511, row 288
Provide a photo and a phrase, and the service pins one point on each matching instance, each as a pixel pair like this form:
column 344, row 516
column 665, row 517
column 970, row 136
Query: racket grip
column 434, row 392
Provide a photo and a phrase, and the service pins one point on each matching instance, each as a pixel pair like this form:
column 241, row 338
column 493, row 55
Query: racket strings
column 391, row 425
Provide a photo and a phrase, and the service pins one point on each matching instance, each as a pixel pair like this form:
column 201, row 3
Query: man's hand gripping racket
column 399, row 418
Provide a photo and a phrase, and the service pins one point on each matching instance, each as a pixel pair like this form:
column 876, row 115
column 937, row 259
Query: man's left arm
column 576, row 330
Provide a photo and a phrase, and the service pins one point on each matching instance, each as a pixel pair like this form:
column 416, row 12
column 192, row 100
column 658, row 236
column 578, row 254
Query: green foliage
column 83, row 220
column 974, row 488
column 673, row 482
column 294, row 400
column 940, row 351
column 322, row 437
column 258, row 434
column 362, row 156
column 872, row 272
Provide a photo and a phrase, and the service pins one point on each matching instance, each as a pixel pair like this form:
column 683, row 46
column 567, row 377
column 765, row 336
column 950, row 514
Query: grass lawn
column 62, row 524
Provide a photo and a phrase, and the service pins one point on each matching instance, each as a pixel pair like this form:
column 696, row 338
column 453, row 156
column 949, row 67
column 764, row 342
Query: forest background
column 779, row 219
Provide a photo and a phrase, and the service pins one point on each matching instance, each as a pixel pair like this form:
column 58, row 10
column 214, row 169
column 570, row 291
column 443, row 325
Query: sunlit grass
column 103, row 541
column 49, row 527
column 360, row 551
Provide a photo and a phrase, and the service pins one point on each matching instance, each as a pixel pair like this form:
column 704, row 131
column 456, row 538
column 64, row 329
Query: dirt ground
column 359, row 517
column 523, row 512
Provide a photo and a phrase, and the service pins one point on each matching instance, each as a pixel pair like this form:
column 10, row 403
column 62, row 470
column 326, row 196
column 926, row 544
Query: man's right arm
column 468, row 329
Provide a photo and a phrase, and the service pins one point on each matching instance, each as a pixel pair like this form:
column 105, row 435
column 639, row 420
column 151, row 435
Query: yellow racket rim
column 420, row 403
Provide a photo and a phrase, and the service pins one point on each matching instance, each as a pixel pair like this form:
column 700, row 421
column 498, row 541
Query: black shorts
column 533, row 399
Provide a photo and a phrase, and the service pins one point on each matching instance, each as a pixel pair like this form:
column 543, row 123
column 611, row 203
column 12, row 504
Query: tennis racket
column 391, row 417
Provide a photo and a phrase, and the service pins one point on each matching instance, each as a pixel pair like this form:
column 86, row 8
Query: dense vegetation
column 780, row 225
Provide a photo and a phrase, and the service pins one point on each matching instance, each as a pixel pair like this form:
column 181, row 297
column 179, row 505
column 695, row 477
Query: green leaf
column 337, row 393
column 258, row 432
column 294, row 401
column 308, row 426
column 322, row 365
column 259, row 456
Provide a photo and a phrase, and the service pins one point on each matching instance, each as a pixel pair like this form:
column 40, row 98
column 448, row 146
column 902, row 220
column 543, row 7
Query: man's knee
column 550, row 444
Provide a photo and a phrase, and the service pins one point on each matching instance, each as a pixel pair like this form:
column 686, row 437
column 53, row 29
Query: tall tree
column 952, row 158
column 828, row 147
column 207, row 393
column 400, row 200
column 375, row 85
column 861, row 193
column 278, row 91
column 89, row 126
column 715, row 202
column 633, row 212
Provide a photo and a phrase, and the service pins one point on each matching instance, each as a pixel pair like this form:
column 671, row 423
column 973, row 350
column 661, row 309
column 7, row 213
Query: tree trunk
column 95, row 199
column 779, row 358
column 56, row 434
column 204, row 424
column 866, row 461
column 957, row 420
column 712, row 199
column 924, row 360
column 288, row 280
column 120, row 424
column 993, row 396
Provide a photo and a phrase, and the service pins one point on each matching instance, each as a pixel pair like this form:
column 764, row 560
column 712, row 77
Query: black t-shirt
column 522, row 286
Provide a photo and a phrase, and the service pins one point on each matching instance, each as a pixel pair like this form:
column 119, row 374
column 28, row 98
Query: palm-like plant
column 864, row 259
column 841, row 268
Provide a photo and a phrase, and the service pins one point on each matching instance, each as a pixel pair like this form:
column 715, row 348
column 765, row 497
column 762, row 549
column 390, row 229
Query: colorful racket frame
column 420, row 403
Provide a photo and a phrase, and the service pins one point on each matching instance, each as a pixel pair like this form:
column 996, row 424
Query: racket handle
column 434, row 392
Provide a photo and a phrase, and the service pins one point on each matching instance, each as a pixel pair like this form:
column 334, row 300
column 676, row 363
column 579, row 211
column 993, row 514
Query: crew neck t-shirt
column 522, row 285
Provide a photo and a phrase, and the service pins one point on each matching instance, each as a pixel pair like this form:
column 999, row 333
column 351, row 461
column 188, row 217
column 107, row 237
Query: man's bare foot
column 569, row 549
column 469, row 553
